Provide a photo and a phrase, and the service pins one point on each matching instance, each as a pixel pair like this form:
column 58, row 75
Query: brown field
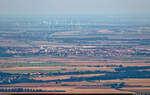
column 146, row 70
column 82, row 68
column 82, row 83
column 69, row 61
column 49, row 84
column 87, row 75
column 26, row 93
column 109, row 91
column 72, row 90
column 130, row 81
column 75, row 61
column 142, row 82
column 136, row 64
column 31, row 68
column 53, row 77
column 136, row 88
column 65, row 76
column 31, row 84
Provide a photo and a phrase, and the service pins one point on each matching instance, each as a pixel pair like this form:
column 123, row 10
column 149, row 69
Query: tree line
column 27, row 90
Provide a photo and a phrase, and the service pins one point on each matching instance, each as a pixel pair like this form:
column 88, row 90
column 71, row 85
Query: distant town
column 64, row 52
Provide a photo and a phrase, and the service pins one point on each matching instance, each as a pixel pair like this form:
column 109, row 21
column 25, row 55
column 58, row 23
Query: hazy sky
column 74, row 6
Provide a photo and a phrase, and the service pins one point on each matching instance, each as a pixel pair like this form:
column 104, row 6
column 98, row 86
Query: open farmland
column 65, row 76
column 71, row 90
column 38, row 55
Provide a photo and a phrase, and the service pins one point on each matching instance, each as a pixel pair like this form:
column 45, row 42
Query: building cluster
column 61, row 51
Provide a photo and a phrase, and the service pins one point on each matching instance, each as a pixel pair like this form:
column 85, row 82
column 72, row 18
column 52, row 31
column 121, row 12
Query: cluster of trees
column 3, row 52
column 7, row 78
column 105, row 65
column 75, row 73
column 121, row 73
column 28, row 90
column 142, row 54
column 130, row 69
column 116, row 85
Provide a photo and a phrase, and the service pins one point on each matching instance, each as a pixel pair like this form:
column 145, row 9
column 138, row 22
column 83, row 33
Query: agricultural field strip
column 64, row 76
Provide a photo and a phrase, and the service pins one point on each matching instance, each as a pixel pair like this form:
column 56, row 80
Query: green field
column 22, row 64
